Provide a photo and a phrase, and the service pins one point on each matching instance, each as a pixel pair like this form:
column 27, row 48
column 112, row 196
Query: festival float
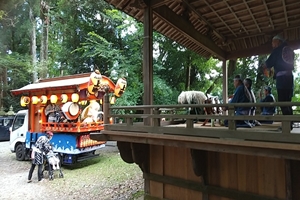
column 69, row 106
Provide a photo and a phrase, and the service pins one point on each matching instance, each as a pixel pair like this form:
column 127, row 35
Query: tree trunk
column 231, row 67
column 188, row 76
column 1, row 89
column 33, row 45
column 44, row 14
column 3, row 84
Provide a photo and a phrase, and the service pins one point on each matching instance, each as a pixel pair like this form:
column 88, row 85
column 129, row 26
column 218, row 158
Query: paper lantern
column 64, row 98
column 34, row 99
column 75, row 97
column 53, row 98
column 120, row 87
column 43, row 99
column 25, row 100
column 113, row 100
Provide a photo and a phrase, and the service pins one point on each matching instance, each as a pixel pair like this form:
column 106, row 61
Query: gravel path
column 14, row 176
column 14, row 184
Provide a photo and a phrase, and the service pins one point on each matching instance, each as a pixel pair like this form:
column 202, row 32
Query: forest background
column 50, row 38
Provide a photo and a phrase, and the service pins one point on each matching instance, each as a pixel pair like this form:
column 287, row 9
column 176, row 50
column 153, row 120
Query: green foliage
column 2, row 14
column 249, row 68
column 162, row 93
column 89, row 35
column 174, row 61
column 18, row 70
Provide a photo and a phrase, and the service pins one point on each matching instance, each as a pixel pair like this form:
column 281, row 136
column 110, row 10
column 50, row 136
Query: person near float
column 282, row 59
column 41, row 148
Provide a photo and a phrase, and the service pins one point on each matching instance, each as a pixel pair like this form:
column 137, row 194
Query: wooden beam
column 201, row 18
column 269, row 149
column 264, row 49
column 268, row 134
column 187, row 29
column 158, row 3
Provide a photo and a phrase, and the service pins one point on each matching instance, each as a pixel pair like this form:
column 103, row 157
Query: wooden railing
column 152, row 123
column 72, row 127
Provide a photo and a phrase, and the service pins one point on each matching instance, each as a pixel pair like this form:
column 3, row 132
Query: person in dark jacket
column 268, row 110
column 241, row 95
column 282, row 59
column 42, row 146
column 248, row 84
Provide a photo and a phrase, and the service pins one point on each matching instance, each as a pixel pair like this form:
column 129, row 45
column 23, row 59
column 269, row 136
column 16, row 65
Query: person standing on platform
column 282, row 59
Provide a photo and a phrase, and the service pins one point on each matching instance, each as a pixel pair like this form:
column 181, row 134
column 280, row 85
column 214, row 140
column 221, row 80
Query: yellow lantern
column 43, row 99
column 113, row 100
column 64, row 98
column 75, row 97
column 25, row 100
column 53, row 98
column 100, row 101
column 34, row 99
column 120, row 87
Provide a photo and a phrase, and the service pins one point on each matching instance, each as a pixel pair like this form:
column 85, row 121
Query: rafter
column 285, row 13
column 268, row 13
column 188, row 30
column 235, row 16
column 203, row 20
column 158, row 3
column 250, row 12
column 208, row 5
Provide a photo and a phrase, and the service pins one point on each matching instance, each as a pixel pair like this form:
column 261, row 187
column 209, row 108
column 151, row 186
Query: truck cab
column 70, row 107
column 18, row 132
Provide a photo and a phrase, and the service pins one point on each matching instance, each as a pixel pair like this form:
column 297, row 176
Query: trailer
column 68, row 106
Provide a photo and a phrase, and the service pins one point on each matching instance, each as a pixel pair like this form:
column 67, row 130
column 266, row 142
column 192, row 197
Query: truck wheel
column 20, row 152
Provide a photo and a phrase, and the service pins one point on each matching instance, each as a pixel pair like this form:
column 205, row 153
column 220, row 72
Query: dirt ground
column 14, row 184
column 14, row 176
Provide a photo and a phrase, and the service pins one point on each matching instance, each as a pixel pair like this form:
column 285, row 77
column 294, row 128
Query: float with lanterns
column 74, row 103
column 70, row 107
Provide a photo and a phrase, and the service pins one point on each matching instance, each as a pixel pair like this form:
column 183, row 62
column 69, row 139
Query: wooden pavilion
column 188, row 161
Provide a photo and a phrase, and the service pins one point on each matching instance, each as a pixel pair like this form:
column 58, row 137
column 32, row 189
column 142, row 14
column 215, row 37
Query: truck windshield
column 18, row 122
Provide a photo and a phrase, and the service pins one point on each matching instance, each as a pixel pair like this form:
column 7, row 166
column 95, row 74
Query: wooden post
column 231, row 123
column 225, row 81
column 148, row 71
column 106, row 105
column 156, row 121
column 148, row 62
column 286, row 127
column 189, row 123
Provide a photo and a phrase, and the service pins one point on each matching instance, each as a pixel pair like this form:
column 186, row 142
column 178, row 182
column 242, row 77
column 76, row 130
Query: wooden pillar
column 148, row 72
column 225, row 82
column 148, row 61
column 106, row 105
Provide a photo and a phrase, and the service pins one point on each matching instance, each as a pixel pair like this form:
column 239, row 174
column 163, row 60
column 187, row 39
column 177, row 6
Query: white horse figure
column 91, row 112
column 198, row 97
